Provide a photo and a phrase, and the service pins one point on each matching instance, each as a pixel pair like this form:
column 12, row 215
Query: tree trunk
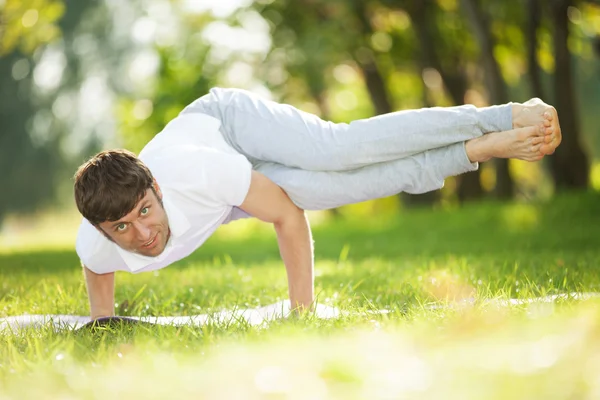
column 494, row 82
column 455, row 82
column 569, row 164
column 533, row 67
column 427, row 59
column 376, row 87
column 597, row 45
column 366, row 60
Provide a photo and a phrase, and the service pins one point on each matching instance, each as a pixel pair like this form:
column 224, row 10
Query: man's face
column 145, row 230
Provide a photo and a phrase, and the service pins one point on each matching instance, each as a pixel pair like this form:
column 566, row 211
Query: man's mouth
column 151, row 243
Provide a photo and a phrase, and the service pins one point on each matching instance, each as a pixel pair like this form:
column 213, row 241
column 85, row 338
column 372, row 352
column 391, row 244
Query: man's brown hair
column 110, row 184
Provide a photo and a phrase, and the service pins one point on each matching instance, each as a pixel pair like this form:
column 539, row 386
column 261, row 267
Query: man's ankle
column 476, row 151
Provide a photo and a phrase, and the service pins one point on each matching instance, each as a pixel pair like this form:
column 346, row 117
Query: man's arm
column 268, row 202
column 101, row 293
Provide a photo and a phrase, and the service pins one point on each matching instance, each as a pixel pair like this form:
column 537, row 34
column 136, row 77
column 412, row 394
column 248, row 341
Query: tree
column 433, row 48
column 569, row 164
column 494, row 82
column 533, row 67
column 30, row 154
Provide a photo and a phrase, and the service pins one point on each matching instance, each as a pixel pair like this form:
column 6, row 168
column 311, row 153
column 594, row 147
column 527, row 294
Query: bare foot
column 535, row 112
column 553, row 135
column 521, row 143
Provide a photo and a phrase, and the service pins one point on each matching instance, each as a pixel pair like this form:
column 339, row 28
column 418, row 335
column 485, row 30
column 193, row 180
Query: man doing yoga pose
column 231, row 154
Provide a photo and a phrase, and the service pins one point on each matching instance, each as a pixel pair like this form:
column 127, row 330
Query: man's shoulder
column 95, row 251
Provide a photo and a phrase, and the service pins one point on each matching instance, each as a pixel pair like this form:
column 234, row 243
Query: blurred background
column 79, row 76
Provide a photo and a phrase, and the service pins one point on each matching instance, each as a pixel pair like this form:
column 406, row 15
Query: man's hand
column 101, row 293
column 268, row 202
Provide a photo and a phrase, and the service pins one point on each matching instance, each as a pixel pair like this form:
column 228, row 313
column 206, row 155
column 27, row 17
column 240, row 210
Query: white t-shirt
column 202, row 180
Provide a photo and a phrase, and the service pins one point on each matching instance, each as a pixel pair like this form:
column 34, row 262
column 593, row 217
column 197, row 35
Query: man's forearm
column 101, row 293
column 296, row 249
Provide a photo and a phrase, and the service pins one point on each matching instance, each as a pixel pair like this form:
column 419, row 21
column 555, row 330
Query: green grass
column 403, row 264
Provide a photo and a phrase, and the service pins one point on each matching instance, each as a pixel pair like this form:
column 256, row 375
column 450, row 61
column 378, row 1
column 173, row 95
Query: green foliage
column 320, row 55
column 184, row 74
column 32, row 138
column 28, row 25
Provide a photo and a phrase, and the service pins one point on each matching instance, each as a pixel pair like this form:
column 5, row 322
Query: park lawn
column 434, row 272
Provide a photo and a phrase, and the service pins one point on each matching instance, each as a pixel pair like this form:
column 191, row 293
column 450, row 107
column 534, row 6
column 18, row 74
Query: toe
column 538, row 139
column 547, row 149
column 548, row 115
column 558, row 135
column 542, row 129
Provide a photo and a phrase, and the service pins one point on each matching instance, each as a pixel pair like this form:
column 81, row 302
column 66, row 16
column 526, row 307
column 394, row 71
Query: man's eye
column 121, row 227
column 145, row 211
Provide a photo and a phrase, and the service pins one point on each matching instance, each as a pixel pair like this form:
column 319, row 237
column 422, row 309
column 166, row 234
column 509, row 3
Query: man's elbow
column 293, row 216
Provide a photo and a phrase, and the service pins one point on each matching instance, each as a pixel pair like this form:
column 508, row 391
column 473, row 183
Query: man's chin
column 151, row 252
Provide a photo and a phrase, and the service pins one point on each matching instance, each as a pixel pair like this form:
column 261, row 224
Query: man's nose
column 144, row 233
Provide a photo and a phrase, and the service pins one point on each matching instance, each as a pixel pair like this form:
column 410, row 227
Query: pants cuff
column 455, row 162
column 496, row 118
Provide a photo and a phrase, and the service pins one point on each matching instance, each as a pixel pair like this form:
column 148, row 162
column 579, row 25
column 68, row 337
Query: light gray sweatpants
column 324, row 165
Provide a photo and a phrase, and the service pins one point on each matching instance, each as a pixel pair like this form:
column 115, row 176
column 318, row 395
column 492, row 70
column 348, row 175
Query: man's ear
column 157, row 188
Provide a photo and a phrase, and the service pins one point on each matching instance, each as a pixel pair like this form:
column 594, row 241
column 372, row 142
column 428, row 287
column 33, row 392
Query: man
column 231, row 154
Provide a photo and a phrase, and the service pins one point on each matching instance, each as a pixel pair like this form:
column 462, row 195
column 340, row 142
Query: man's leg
column 267, row 131
column 419, row 173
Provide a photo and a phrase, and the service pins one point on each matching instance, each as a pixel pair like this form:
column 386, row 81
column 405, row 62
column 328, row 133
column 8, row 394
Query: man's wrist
column 301, row 306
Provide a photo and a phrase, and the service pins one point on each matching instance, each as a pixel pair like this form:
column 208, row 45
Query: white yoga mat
column 254, row 316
